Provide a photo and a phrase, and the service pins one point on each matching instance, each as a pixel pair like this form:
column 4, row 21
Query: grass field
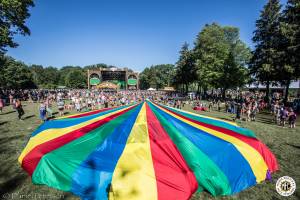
column 16, row 184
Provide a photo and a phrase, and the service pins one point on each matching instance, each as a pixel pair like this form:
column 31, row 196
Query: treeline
column 219, row 59
column 157, row 76
column 17, row 75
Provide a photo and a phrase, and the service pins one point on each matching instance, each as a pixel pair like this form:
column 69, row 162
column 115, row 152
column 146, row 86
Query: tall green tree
column 221, row 57
column 266, row 38
column 75, row 79
column 16, row 75
column 210, row 52
column 96, row 66
column 64, row 71
column 157, row 76
column 185, row 70
column 51, row 77
column 38, row 74
column 234, row 72
column 144, row 83
column 13, row 14
column 289, row 48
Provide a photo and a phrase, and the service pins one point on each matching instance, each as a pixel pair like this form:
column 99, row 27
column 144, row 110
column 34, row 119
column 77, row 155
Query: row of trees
column 157, row 76
column 17, row 75
column 276, row 58
column 219, row 59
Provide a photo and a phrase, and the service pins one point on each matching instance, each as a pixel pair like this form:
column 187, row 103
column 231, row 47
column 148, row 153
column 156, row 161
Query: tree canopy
column 218, row 59
column 221, row 57
column 276, row 55
column 13, row 14
column 157, row 76
column 16, row 74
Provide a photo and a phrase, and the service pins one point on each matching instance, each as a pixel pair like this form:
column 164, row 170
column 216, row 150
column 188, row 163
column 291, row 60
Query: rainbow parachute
column 145, row 151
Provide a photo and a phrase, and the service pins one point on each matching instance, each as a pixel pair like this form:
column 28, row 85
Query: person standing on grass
column 238, row 111
column 77, row 105
column 226, row 106
column 219, row 105
column 253, row 111
column 292, row 118
column 278, row 111
column 11, row 97
column 1, row 103
column 19, row 108
column 210, row 105
column 43, row 111
column 283, row 116
column 248, row 112
column 49, row 108
column 61, row 107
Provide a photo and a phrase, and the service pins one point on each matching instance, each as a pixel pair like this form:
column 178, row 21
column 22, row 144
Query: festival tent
column 107, row 85
column 145, row 151
column 168, row 89
column 151, row 89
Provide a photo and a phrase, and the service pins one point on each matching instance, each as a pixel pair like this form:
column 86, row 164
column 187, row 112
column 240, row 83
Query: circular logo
column 285, row 186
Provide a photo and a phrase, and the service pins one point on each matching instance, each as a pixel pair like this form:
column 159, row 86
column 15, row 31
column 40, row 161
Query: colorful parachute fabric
column 145, row 151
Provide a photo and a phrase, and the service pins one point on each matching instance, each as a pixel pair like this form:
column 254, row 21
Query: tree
column 210, row 53
column 235, row 69
column 13, row 14
column 96, row 66
column 50, row 77
column 16, row 75
column 64, row 71
column 3, row 61
column 266, row 38
column 221, row 58
column 185, row 71
column 144, row 79
column 289, row 48
column 75, row 79
column 157, row 76
column 233, row 75
column 38, row 74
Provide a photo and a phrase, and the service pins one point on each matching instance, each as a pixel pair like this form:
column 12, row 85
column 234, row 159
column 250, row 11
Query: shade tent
column 151, row 89
column 168, row 89
column 145, row 151
column 107, row 85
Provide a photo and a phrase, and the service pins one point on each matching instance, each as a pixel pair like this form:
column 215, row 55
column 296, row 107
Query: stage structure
column 125, row 78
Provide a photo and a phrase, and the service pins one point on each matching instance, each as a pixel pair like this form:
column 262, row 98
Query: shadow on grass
column 2, row 123
column 28, row 117
column 50, row 118
column 8, row 139
column 295, row 146
column 12, row 183
column 8, row 112
column 265, row 121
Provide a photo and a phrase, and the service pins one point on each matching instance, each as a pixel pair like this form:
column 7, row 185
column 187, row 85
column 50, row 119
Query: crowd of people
column 244, row 105
column 79, row 100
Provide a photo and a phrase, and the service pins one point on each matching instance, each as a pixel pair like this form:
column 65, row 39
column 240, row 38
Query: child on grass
column 292, row 118
column 19, row 108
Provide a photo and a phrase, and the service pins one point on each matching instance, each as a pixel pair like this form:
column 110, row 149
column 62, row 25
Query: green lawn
column 16, row 184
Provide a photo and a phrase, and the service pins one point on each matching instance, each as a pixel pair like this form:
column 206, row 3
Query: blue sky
column 125, row 33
